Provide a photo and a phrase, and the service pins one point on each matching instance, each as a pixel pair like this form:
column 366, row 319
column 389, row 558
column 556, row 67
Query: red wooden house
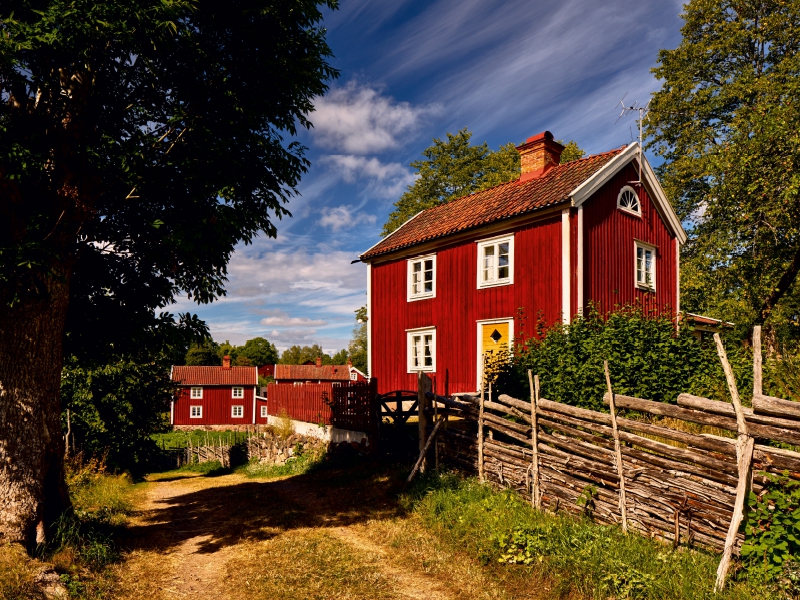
column 317, row 373
column 216, row 396
column 447, row 286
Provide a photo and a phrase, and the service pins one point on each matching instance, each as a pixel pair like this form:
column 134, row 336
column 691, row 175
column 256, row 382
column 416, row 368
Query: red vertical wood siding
column 609, row 262
column 216, row 403
column 459, row 304
column 303, row 402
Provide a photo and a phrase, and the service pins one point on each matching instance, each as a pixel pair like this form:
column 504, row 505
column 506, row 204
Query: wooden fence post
column 757, row 369
column 617, row 450
column 423, row 387
column 744, row 462
column 536, row 493
column 480, row 436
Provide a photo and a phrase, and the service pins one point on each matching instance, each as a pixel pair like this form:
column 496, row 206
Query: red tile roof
column 493, row 204
column 215, row 375
column 312, row 372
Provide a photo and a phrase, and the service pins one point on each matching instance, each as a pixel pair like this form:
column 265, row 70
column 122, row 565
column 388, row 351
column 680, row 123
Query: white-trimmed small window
column 628, row 201
column 195, row 412
column 496, row 262
column 421, row 350
column 237, row 411
column 645, row 266
column 422, row 277
column 353, row 376
column 196, row 392
column 264, row 412
column 238, row 392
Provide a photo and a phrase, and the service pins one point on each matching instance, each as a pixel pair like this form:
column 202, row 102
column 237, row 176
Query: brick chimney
column 319, row 361
column 538, row 155
column 226, row 362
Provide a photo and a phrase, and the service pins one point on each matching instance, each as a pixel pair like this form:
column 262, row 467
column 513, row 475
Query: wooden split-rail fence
column 637, row 466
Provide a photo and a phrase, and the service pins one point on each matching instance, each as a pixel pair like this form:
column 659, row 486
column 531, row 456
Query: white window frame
column 234, row 411
column 479, row 336
column 239, row 389
column 192, row 408
column 644, row 246
column 625, row 209
column 194, row 396
column 353, row 376
column 410, row 295
column 482, row 244
column 410, row 335
column 263, row 412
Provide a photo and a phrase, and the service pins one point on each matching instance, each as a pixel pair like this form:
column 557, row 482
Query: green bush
column 296, row 465
column 648, row 357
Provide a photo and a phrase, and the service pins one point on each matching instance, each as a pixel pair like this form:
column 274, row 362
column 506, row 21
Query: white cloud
column 357, row 119
column 386, row 180
column 342, row 216
column 293, row 322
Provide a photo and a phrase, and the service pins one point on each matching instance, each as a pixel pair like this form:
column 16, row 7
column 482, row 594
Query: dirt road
column 329, row 534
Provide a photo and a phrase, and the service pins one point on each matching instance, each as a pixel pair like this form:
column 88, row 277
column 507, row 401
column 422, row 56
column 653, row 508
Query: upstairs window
column 353, row 376
column 645, row 266
column 197, row 392
column 628, row 201
column 496, row 262
column 238, row 392
column 421, row 350
column 237, row 411
column 422, row 278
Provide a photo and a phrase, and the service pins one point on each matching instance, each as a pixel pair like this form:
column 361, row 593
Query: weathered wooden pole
column 423, row 387
column 757, row 366
column 536, row 493
column 744, row 462
column 617, row 450
column 480, row 424
column 424, row 451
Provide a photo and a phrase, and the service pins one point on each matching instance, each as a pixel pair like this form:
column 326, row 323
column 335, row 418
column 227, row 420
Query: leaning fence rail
column 653, row 477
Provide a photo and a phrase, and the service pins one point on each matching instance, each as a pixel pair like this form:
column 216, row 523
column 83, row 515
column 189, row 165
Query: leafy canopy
column 452, row 168
column 297, row 355
column 141, row 140
column 726, row 122
column 358, row 345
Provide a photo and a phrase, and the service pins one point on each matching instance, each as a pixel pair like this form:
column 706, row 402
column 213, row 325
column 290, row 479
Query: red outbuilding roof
column 493, row 204
column 215, row 375
column 312, row 372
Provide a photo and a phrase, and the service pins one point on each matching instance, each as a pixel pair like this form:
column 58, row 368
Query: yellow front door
column 495, row 342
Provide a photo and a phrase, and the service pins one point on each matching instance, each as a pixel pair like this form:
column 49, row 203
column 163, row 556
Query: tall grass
column 582, row 558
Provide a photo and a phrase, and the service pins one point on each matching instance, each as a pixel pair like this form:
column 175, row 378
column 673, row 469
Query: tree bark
column 33, row 492
column 779, row 290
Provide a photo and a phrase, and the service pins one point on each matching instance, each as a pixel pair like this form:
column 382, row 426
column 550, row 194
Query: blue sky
column 412, row 71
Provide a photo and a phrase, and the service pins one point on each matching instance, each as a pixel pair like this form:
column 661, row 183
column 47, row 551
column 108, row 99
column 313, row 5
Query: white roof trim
column 390, row 235
column 352, row 368
column 580, row 194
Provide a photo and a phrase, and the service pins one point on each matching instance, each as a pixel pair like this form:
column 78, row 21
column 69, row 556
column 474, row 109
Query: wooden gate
column 398, row 437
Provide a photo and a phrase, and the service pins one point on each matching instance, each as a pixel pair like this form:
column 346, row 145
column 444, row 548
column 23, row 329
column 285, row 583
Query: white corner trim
column 581, row 193
column 580, row 260
column 254, row 401
column 565, row 268
column 172, row 412
column 391, row 234
column 370, row 318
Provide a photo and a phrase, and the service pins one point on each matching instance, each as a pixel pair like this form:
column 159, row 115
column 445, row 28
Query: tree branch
column 780, row 290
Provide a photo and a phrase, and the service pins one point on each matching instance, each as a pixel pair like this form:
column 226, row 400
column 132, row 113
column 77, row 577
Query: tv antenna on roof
column 643, row 112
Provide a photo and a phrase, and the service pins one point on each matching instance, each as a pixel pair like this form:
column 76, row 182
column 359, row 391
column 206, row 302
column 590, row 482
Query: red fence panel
column 345, row 406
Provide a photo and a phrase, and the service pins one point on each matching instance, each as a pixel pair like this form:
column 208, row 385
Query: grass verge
column 580, row 558
column 295, row 465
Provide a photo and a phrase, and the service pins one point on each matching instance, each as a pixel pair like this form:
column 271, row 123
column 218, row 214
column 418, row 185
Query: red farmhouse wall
column 216, row 403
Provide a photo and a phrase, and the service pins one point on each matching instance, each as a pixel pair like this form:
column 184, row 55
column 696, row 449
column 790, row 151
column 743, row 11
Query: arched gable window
column 628, row 200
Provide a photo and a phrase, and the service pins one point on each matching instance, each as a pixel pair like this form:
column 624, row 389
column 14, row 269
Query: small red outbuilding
column 210, row 396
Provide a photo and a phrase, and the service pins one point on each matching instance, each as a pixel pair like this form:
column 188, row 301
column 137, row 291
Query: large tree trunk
column 33, row 493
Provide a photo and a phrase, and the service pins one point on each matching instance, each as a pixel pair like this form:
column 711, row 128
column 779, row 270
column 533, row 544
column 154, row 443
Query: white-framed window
column 196, row 392
column 238, row 392
column 353, row 376
column 422, row 277
column 628, row 201
column 421, row 350
column 496, row 261
column 645, row 258
column 195, row 412
column 237, row 411
column 264, row 412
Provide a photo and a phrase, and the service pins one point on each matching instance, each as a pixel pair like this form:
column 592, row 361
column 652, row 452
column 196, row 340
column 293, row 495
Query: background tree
column 726, row 122
column 298, row 355
column 340, row 358
column 200, row 355
column 140, row 141
column 453, row 168
column 259, row 351
column 358, row 345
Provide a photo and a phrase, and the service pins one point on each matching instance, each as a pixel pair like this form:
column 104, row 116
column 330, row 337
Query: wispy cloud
column 380, row 180
column 358, row 119
column 343, row 216
column 293, row 322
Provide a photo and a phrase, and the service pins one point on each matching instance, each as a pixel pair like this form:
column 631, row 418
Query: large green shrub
column 647, row 355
